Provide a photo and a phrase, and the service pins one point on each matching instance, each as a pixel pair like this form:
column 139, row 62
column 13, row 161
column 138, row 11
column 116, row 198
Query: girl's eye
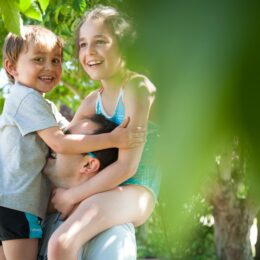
column 100, row 42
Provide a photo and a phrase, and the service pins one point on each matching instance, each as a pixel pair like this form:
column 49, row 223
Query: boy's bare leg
column 2, row 256
column 18, row 249
column 126, row 204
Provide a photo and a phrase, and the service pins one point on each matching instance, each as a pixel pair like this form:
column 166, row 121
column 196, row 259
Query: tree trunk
column 233, row 210
column 233, row 220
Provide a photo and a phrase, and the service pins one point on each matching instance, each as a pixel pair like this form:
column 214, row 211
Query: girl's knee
column 147, row 204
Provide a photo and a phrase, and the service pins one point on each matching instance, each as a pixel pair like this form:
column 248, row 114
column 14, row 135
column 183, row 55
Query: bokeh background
column 204, row 58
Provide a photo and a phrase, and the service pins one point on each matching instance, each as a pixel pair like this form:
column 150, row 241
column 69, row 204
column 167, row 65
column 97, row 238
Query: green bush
column 153, row 238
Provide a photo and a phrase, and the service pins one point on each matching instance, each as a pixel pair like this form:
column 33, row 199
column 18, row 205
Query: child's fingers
column 137, row 144
column 138, row 138
column 138, row 134
column 125, row 122
column 139, row 130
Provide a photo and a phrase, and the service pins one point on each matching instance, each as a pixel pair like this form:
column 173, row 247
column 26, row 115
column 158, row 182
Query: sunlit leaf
column 11, row 16
column 33, row 12
column 43, row 4
column 24, row 5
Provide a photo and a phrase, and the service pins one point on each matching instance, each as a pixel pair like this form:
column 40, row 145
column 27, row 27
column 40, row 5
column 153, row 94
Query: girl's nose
column 91, row 49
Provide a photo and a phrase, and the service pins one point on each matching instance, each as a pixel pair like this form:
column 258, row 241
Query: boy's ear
column 10, row 67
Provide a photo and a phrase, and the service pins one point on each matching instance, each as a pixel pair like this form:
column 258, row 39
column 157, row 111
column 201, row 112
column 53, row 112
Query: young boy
column 29, row 122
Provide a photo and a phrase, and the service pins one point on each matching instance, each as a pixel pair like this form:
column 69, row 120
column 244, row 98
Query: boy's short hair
column 15, row 44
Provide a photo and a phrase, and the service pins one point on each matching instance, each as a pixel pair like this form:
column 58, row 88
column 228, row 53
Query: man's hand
column 126, row 138
column 61, row 202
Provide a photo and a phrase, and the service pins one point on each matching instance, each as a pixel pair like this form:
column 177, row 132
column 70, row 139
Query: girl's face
column 99, row 52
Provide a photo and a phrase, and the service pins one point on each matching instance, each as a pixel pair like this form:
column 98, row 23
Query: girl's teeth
column 91, row 63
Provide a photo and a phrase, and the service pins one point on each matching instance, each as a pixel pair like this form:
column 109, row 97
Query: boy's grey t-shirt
column 22, row 152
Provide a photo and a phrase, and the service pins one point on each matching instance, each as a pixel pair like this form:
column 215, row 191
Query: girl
column 122, row 192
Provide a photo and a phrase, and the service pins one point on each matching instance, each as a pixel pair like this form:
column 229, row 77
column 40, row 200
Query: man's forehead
column 85, row 126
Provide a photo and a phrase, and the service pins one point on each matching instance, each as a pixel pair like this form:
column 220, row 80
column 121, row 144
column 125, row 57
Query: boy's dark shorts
column 16, row 224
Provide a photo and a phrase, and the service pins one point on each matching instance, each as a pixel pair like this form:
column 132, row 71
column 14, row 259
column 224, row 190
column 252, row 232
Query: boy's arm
column 61, row 143
column 140, row 96
column 75, row 143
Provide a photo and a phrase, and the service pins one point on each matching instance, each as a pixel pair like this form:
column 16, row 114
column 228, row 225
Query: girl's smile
column 99, row 52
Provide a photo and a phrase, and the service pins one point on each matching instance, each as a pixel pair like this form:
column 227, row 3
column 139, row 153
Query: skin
column 65, row 170
column 2, row 256
column 39, row 67
column 40, row 70
column 100, row 197
column 69, row 170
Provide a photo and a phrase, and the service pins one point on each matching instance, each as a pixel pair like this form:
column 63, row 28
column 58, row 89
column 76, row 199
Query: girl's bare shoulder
column 88, row 104
column 140, row 84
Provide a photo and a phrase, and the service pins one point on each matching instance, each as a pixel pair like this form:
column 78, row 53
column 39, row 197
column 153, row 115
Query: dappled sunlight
column 110, row 241
column 67, row 237
column 127, row 249
column 144, row 200
column 253, row 235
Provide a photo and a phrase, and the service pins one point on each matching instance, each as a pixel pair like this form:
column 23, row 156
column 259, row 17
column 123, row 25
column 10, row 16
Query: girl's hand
column 125, row 138
column 61, row 202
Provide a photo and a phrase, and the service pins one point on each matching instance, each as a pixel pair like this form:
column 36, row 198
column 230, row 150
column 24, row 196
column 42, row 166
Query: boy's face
column 39, row 68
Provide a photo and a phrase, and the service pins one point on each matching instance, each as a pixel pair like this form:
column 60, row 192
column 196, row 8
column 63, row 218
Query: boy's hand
column 125, row 138
column 61, row 203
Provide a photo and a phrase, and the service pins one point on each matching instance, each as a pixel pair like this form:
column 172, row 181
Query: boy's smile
column 39, row 67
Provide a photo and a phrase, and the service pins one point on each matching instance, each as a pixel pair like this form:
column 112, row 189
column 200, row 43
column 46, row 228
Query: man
column 67, row 170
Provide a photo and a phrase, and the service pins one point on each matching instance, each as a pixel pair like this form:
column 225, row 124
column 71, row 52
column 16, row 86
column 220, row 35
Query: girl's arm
column 121, row 137
column 138, row 98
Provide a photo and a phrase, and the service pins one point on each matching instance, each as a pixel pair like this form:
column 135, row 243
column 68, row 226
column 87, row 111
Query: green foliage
column 11, row 9
column 10, row 15
column 62, row 17
column 154, row 240
column 79, row 5
column 32, row 11
column 1, row 101
column 43, row 4
column 205, row 64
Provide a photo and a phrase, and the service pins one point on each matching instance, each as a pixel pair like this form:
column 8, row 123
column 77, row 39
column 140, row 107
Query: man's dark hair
column 105, row 156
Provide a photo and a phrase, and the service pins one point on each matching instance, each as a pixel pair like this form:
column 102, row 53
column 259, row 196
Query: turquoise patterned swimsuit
column 148, row 174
